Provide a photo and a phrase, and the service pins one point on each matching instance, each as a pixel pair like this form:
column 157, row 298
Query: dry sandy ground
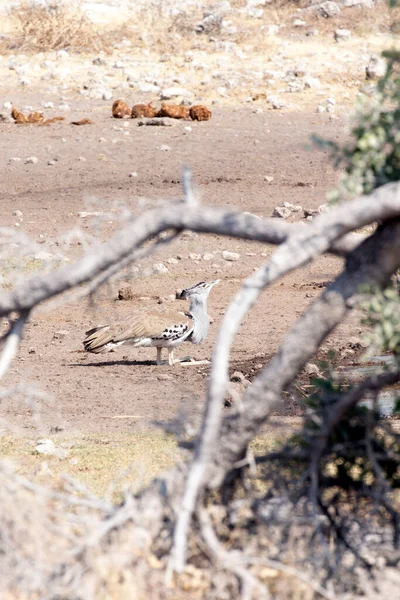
column 229, row 155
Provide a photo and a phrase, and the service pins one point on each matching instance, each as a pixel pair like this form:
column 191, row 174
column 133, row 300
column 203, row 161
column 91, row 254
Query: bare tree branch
column 232, row 561
column 299, row 249
column 372, row 263
column 201, row 219
column 12, row 343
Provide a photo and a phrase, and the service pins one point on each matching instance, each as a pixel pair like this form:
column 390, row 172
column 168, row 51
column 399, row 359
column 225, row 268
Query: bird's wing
column 152, row 324
column 167, row 325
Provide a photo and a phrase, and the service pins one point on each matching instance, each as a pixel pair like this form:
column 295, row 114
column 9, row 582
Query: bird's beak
column 212, row 283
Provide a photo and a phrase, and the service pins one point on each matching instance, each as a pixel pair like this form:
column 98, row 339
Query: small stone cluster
column 287, row 210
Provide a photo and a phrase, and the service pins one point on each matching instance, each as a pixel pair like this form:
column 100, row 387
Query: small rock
column 194, row 256
column 31, row 350
column 48, row 447
column 82, row 159
column 238, row 376
column 328, row 9
column 311, row 212
column 107, row 95
column 159, row 268
column 14, row 159
column 51, row 162
column 312, row 369
column 7, row 105
column 341, row 35
column 211, row 23
column 230, row 256
column 125, row 293
column 146, row 88
column 376, row 67
column 175, row 92
column 320, row 108
column 60, row 335
column 99, row 61
column 165, row 148
column 164, row 377
column 312, row 82
column 323, row 208
column 208, row 256
column 17, row 213
column 268, row 178
column 31, row 160
column 281, row 212
column 172, row 261
column 62, row 54
column 134, row 174
column 299, row 23
column 6, row 118
column 275, row 102
column 48, row 104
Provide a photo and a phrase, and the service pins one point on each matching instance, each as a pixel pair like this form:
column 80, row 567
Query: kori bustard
column 158, row 328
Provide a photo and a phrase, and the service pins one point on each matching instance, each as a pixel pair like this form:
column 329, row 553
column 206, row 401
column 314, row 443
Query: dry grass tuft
column 52, row 27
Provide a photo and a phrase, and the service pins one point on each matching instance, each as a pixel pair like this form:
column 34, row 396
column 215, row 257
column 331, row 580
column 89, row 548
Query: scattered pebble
column 341, row 35
column 134, row 174
column 48, row 447
column 60, row 335
column 164, row 377
column 159, row 268
column 230, row 256
column 125, row 293
column 281, row 212
column 31, row 160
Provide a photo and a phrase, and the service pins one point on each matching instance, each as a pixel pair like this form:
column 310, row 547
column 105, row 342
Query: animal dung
column 20, row 118
column 199, row 113
column 173, row 111
column 33, row 118
column 52, row 120
column 82, row 122
column 143, row 110
column 120, row 109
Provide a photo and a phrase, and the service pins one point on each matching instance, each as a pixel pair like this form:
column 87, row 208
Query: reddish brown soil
column 229, row 155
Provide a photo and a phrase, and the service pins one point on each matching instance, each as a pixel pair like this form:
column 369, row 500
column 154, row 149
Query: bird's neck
column 201, row 321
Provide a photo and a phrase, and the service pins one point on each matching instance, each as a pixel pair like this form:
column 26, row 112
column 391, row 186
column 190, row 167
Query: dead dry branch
column 162, row 517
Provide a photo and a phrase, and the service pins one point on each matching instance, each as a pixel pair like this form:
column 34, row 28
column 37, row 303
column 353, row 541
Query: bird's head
column 201, row 289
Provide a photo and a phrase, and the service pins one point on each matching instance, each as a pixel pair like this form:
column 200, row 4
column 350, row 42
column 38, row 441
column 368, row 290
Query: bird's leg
column 159, row 361
column 170, row 356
